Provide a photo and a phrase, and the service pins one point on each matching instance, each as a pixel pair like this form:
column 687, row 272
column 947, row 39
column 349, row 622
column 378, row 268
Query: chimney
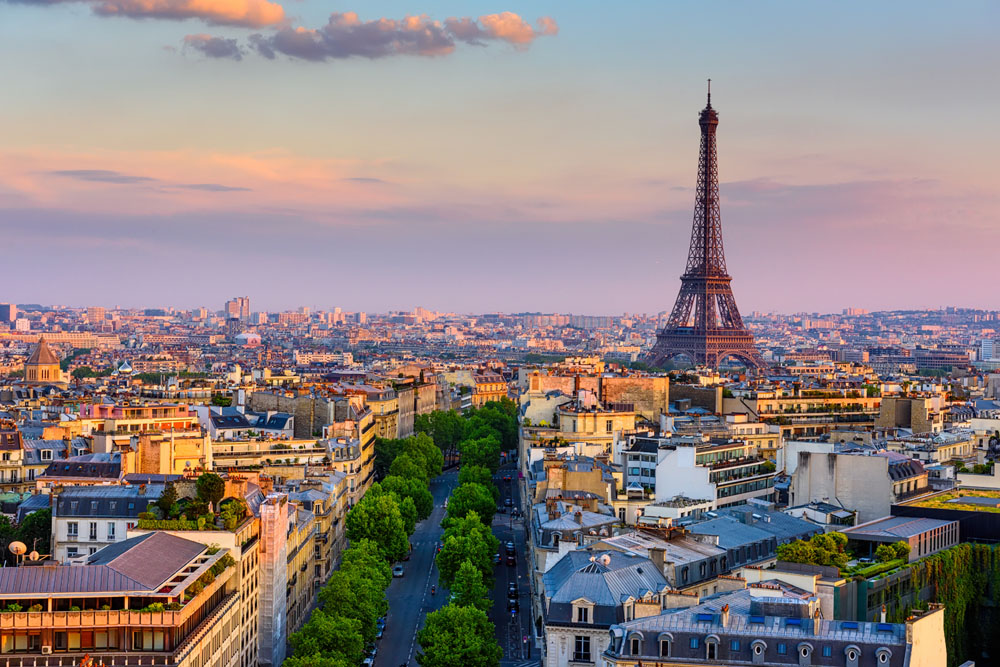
column 578, row 517
column 656, row 555
column 882, row 615
column 576, row 386
column 724, row 617
column 142, row 489
column 816, row 619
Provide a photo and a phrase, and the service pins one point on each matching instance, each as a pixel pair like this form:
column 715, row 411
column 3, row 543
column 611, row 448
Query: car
column 496, row 559
column 501, row 509
column 508, row 502
column 506, row 478
column 512, row 604
column 446, row 503
column 397, row 571
column 439, row 547
column 368, row 662
column 379, row 631
column 509, row 547
column 371, row 650
column 510, row 560
column 512, row 588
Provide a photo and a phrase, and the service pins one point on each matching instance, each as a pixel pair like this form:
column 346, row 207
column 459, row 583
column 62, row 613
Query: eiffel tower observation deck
column 705, row 326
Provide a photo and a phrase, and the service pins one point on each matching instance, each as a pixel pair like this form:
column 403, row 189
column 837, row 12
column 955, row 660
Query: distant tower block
column 705, row 325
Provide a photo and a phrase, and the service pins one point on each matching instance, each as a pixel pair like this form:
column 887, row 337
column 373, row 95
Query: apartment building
column 156, row 598
column 86, row 519
column 727, row 471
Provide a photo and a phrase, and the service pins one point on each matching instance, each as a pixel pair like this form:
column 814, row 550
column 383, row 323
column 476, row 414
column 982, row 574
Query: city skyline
column 177, row 175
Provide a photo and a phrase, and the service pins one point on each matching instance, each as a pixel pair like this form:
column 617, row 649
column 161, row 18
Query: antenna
column 709, row 92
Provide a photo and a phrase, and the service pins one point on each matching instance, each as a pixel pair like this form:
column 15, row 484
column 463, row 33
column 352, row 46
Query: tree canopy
column 471, row 497
column 468, row 588
column 457, row 636
column 210, row 488
column 473, row 474
column 377, row 517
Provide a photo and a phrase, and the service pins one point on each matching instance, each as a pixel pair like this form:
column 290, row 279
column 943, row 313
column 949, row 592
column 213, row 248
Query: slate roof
column 149, row 559
column 142, row 563
column 731, row 533
column 607, row 581
column 106, row 501
column 895, row 527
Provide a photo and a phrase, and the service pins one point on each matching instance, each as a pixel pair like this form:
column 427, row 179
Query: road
column 410, row 595
column 511, row 631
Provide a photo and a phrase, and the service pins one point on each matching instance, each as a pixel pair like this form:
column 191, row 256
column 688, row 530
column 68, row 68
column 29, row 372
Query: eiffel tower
column 705, row 324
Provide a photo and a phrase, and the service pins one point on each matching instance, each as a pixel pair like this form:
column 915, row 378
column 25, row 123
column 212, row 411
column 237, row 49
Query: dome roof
column 42, row 355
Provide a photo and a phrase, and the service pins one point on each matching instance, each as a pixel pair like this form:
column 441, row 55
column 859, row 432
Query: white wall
column 677, row 475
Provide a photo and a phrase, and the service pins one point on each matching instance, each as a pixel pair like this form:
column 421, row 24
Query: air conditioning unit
column 46, row 650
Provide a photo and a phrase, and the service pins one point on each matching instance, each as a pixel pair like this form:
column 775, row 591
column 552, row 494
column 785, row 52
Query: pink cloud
column 247, row 13
column 346, row 36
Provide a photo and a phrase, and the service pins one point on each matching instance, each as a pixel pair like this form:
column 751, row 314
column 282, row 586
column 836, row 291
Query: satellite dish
column 17, row 548
column 33, row 555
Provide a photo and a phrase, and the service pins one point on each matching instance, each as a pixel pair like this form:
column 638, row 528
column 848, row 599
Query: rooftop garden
column 944, row 501
column 205, row 511
column 830, row 549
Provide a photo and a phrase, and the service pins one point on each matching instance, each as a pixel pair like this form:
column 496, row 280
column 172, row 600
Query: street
column 512, row 631
column 410, row 595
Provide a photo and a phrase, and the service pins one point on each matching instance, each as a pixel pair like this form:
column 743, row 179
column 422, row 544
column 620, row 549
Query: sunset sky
column 475, row 156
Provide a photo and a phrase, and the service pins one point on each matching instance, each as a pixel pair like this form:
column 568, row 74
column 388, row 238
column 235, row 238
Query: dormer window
column 46, row 454
column 582, row 615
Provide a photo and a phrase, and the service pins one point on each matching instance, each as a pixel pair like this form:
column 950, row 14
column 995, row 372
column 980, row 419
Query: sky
column 506, row 155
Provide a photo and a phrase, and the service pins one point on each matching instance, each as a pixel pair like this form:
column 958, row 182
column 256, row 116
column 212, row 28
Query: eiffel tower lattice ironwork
column 705, row 325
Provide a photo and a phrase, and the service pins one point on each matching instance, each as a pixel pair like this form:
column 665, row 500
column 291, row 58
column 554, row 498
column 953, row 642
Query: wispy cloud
column 214, row 47
column 246, row 13
column 346, row 36
column 101, row 176
column 118, row 178
column 368, row 180
column 211, row 187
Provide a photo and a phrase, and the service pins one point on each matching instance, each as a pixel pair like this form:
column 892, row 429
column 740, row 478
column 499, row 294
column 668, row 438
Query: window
column 581, row 649
column 72, row 529
column 734, row 645
column 782, row 648
column 609, row 426
column 71, row 552
column 694, row 642
column 664, row 648
column 111, row 530
column 93, row 530
column 635, row 646
column 827, row 651
column 581, row 615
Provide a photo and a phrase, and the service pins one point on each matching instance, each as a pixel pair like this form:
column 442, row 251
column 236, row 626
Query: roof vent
column 605, row 560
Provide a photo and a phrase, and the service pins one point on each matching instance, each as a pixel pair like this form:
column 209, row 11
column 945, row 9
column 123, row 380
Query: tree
column 331, row 636
column 901, row 549
column 410, row 466
column 210, row 489
column 232, row 513
column 484, row 451
column 316, row 660
column 457, row 636
column 885, row 553
column 421, row 444
column 355, row 596
column 471, row 474
column 386, row 451
column 36, row 531
column 376, row 517
column 472, row 497
column 466, row 540
column 167, row 499
column 468, row 588
column 411, row 488
column 364, row 558
column 408, row 511
column 222, row 401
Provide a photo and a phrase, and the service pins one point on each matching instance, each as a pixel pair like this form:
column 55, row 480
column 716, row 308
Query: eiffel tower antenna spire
column 705, row 324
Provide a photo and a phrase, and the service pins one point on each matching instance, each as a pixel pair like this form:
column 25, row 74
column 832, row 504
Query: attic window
column 756, row 620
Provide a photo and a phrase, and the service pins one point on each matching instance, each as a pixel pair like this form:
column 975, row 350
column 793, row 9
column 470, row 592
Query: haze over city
column 529, row 156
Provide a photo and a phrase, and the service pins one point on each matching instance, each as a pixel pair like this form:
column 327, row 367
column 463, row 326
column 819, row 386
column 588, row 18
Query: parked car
column 512, row 604
column 512, row 588
column 496, row 559
column 509, row 547
column 501, row 509
column 510, row 560
column 397, row 571
column 508, row 502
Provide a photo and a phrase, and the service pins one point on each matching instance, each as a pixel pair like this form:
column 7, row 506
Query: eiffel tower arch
column 705, row 324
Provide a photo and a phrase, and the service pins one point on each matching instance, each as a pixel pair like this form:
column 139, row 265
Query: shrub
column 35, row 607
column 74, row 608
column 14, row 607
column 156, row 606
